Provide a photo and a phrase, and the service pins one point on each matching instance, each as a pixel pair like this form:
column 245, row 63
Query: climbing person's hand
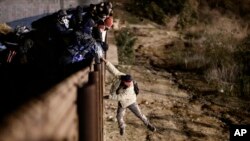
column 105, row 46
column 103, row 59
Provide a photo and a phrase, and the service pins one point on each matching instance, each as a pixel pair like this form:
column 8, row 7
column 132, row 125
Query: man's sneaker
column 122, row 130
column 151, row 128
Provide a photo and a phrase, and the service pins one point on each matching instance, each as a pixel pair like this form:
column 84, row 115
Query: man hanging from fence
column 123, row 91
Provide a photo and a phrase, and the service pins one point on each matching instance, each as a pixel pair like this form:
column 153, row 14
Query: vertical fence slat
column 95, row 79
column 97, row 67
column 101, row 97
column 87, row 113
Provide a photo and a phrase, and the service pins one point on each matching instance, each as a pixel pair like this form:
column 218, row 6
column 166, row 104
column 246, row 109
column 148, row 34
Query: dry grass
column 211, row 38
column 219, row 36
column 207, row 48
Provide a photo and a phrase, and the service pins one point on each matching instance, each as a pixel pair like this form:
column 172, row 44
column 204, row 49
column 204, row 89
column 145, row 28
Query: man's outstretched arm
column 112, row 69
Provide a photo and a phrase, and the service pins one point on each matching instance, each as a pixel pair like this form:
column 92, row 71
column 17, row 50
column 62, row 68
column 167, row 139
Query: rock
column 110, row 118
column 112, row 107
column 145, row 102
column 114, row 120
column 116, row 25
column 221, row 90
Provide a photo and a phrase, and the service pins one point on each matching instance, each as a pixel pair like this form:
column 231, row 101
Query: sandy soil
column 176, row 113
column 168, row 108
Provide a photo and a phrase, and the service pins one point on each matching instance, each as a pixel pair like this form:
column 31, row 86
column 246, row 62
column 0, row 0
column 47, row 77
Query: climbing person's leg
column 136, row 110
column 120, row 114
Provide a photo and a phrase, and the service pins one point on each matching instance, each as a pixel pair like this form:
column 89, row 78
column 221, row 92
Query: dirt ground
column 179, row 113
column 176, row 113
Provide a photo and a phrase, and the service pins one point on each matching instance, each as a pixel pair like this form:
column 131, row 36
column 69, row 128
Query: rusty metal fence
column 70, row 111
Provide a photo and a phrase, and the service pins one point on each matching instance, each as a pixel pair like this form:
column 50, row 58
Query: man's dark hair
column 61, row 13
column 126, row 78
column 79, row 11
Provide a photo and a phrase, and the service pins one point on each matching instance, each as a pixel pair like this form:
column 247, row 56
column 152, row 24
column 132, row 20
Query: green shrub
column 171, row 7
column 188, row 16
column 147, row 9
column 231, row 5
column 156, row 10
column 222, row 70
column 241, row 7
column 242, row 56
column 125, row 41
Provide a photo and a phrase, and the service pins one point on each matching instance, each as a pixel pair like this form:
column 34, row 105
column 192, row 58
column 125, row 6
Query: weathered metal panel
column 52, row 116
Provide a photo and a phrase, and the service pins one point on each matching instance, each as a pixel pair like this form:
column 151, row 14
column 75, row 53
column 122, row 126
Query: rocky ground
column 178, row 113
column 180, row 104
column 169, row 109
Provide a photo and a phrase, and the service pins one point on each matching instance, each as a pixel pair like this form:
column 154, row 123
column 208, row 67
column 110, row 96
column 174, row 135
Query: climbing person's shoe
column 151, row 128
column 122, row 131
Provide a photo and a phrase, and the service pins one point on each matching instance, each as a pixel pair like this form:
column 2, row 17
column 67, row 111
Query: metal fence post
column 87, row 110
column 102, row 73
column 97, row 67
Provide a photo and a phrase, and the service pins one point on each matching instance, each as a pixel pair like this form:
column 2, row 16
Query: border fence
column 70, row 111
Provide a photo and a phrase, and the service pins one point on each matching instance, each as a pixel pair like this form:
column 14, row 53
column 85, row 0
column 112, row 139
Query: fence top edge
column 75, row 80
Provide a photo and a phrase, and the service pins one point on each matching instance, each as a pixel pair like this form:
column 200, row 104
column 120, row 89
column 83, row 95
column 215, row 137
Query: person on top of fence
column 104, row 20
column 96, row 16
column 88, row 20
column 61, row 34
column 84, row 48
column 123, row 91
column 62, row 24
column 14, row 43
column 76, row 18
column 108, row 11
column 86, row 44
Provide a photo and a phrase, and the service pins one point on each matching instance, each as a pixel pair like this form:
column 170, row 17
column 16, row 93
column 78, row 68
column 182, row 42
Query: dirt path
column 175, row 112
column 168, row 108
